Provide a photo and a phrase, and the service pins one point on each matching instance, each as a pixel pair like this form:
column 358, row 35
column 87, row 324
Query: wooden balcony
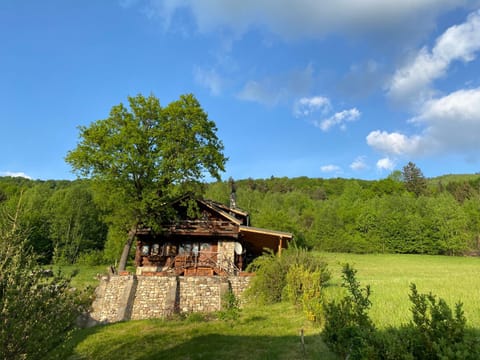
column 203, row 228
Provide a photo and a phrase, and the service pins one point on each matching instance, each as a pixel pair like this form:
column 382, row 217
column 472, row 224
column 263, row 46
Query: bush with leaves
column 434, row 333
column 230, row 307
column 269, row 284
column 305, row 287
column 440, row 332
column 36, row 312
column 349, row 331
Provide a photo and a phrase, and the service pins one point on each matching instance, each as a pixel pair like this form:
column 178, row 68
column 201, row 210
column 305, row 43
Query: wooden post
column 280, row 241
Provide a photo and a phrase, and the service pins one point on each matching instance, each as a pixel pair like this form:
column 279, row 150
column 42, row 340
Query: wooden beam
column 280, row 241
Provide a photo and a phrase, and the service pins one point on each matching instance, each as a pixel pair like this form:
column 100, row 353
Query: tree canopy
column 144, row 155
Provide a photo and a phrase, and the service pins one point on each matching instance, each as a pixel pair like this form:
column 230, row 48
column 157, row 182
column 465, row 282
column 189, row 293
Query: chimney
column 233, row 194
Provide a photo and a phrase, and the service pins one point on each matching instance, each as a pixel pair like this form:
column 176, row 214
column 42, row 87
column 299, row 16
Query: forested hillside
column 343, row 215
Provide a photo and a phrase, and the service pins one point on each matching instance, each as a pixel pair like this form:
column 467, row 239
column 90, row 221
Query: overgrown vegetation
column 348, row 329
column 37, row 309
column 435, row 332
column 297, row 276
column 230, row 307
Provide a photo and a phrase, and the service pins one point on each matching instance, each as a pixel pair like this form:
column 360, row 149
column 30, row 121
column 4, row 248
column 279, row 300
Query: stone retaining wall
column 135, row 297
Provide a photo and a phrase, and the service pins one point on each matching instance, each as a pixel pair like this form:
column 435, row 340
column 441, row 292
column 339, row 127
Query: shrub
column 230, row 307
column 349, row 330
column 269, row 284
column 439, row 332
column 92, row 258
column 434, row 333
column 304, row 286
column 36, row 312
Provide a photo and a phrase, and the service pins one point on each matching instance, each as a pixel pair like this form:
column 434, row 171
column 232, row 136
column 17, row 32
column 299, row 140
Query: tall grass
column 451, row 278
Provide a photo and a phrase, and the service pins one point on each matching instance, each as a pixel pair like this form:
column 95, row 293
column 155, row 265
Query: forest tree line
column 67, row 225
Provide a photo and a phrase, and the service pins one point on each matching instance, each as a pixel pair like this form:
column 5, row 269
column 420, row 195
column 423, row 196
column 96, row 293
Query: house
column 187, row 266
column 219, row 241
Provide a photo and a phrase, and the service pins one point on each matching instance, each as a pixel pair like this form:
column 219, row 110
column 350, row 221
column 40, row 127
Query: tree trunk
column 126, row 249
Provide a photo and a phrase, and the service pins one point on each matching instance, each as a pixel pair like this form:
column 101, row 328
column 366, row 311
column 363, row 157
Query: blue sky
column 346, row 88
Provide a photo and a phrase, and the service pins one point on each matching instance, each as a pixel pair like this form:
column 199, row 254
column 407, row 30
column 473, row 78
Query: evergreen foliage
column 414, row 180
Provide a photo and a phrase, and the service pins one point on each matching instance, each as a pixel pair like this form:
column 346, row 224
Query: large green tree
column 144, row 155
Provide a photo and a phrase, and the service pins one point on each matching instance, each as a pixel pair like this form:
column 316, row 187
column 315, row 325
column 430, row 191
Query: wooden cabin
column 220, row 241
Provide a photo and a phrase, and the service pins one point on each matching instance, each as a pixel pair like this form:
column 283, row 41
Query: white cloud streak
column 308, row 105
column 412, row 83
column 306, row 17
column 15, row 174
column 330, row 168
column 210, row 79
column 339, row 118
column 451, row 124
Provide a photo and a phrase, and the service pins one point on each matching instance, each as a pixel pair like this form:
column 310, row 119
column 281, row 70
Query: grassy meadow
column 452, row 278
column 272, row 332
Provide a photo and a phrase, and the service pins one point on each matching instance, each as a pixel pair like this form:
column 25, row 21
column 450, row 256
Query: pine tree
column 414, row 180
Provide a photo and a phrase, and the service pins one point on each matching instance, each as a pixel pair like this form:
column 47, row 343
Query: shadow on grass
column 200, row 346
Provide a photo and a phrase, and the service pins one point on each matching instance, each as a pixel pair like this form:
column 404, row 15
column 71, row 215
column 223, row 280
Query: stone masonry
column 134, row 297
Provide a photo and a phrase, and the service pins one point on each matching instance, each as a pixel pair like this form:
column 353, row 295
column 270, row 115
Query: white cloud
column 306, row 17
column 15, row 174
column 451, row 124
column 308, row 105
column 412, row 83
column 394, row 143
column 339, row 118
column 385, row 164
column 359, row 164
column 330, row 168
column 209, row 79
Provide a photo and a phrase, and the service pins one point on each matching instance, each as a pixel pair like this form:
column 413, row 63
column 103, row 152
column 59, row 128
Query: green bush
column 305, row 287
column 230, row 307
column 434, row 333
column 269, row 284
column 440, row 333
column 92, row 258
column 349, row 330
column 37, row 312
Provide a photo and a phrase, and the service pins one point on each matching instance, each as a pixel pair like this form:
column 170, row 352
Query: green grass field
column 389, row 276
column 272, row 332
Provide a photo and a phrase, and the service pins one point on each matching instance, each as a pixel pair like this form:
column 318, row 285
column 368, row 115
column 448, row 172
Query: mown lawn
column 272, row 332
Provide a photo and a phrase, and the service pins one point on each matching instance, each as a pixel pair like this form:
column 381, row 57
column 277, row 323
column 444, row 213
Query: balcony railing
column 203, row 227
column 202, row 260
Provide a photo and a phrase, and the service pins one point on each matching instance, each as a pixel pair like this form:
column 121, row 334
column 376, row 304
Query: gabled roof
column 221, row 211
